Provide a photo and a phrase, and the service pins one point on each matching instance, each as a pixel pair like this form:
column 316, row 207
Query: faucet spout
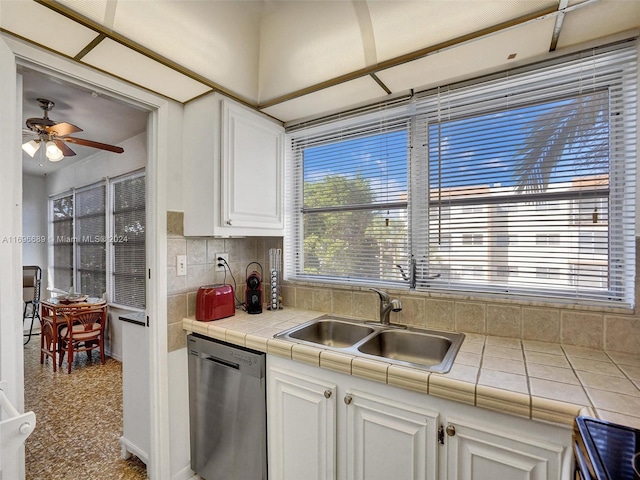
column 387, row 305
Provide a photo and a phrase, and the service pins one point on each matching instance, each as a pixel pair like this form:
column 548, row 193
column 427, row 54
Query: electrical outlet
column 226, row 259
column 181, row 265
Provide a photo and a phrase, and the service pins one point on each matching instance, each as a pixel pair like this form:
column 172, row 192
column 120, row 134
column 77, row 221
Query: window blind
column 62, row 241
column 128, row 241
column 518, row 183
column 90, row 229
column 531, row 181
column 348, row 204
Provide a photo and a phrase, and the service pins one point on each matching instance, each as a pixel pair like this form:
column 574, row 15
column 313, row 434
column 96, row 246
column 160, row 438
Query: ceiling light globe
column 31, row 147
column 54, row 154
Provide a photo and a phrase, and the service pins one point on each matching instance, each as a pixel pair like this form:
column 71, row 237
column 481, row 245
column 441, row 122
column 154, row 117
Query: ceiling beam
column 89, row 46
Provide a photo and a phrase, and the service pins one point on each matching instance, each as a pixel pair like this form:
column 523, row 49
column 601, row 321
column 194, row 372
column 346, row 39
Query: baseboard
column 129, row 447
column 115, row 357
column 186, row 474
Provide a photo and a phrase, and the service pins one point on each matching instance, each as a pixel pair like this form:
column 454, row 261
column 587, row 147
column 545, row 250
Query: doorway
column 91, row 387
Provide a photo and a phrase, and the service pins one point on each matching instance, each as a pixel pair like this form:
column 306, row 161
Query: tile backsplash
column 201, row 269
column 593, row 327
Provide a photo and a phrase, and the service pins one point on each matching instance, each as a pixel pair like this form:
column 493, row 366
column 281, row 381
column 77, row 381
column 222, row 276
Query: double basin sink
column 424, row 349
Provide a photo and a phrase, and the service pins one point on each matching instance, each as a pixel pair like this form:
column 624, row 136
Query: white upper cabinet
column 233, row 170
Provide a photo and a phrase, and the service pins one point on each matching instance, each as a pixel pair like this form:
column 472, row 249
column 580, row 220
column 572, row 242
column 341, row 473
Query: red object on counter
column 214, row 302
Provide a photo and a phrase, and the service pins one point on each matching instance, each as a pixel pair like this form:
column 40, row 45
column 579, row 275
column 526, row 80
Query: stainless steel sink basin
column 424, row 349
column 332, row 333
column 410, row 346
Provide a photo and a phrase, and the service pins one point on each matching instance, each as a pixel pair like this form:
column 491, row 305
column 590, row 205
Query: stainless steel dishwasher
column 227, row 407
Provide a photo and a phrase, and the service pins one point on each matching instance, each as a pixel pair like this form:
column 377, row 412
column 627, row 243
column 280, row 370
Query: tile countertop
column 538, row 380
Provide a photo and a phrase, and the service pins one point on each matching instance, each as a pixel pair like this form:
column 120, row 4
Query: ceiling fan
column 55, row 136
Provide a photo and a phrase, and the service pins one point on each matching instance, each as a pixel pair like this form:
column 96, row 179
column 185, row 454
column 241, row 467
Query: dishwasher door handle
column 224, row 363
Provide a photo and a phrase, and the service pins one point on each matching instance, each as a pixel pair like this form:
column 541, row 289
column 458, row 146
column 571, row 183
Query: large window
column 521, row 183
column 98, row 240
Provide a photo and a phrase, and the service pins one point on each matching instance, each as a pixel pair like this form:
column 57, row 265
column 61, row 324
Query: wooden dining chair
column 84, row 330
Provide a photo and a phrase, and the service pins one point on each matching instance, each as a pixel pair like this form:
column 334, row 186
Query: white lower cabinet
column 477, row 453
column 325, row 425
column 387, row 439
column 302, row 426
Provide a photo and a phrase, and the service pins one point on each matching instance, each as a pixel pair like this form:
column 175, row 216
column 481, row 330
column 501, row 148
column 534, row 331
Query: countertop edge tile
column 508, row 401
column 279, row 348
column 337, row 362
column 306, row 354
column 408, row 378
column 442, row 386
column 235, row 337
column 369, row 369
column 256, row 342
column 554, row 411
column 220, row 333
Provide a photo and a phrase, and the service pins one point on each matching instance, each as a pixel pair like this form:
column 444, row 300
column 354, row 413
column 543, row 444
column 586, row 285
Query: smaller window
column 128, row 241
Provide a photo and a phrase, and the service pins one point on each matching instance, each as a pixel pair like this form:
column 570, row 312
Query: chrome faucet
column 387, row 305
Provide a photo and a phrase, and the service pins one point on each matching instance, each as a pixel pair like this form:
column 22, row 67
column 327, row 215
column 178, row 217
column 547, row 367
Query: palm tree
column 575, row 129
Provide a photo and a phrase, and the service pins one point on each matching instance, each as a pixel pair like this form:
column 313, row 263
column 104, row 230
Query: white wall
column 34, row 221
column 174, row 168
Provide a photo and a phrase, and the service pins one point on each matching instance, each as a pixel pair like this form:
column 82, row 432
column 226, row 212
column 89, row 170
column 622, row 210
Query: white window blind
column 62, row 241
column 519, row 183
column 90, row 229
column 128, row 241
column 350, row 199
column 541, row 165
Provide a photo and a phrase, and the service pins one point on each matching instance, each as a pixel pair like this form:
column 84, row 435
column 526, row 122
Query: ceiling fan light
column 53, row 152
column 31, row 147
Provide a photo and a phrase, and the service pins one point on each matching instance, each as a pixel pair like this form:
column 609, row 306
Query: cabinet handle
column 228, row 222
column 451, row 430
column 327, row 394
column 348, row 399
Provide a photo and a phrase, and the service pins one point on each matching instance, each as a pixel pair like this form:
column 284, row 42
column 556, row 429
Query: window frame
column 420, row 111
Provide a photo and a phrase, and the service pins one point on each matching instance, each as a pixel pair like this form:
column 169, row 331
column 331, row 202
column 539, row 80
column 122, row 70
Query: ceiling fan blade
column 91, row 143
column 63, row 128
column 66, row 151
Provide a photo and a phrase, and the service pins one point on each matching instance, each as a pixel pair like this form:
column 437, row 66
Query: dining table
column 52, row 318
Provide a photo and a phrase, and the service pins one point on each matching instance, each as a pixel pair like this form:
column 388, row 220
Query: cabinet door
column 302, row 427
column 387, row 439
column 480, row 453
column 252, row 169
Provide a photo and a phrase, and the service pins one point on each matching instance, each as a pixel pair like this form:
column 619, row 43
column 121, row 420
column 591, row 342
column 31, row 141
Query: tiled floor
column 79, row 420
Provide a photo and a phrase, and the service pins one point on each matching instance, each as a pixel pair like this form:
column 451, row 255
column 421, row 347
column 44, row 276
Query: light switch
column 181, row 265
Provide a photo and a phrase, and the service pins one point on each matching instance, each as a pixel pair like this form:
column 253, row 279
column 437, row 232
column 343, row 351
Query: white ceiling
column 295, row 59
column 101, row 118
